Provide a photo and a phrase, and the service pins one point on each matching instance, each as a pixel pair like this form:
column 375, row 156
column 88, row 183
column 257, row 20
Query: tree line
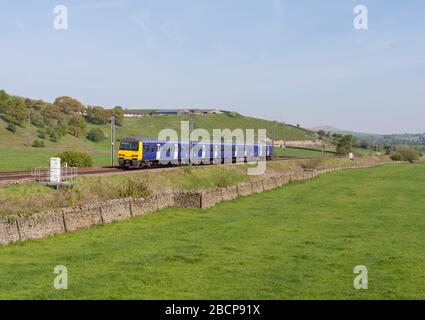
column 65, row 115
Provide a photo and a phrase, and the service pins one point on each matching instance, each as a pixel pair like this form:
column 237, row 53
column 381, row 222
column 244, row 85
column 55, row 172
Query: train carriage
column 136, row 152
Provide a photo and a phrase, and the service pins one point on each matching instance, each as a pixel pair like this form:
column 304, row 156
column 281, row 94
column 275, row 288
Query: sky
column 296, row 61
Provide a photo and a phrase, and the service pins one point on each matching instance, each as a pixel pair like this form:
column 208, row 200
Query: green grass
column 15, row 154
column 301, row 153
column 298, row 242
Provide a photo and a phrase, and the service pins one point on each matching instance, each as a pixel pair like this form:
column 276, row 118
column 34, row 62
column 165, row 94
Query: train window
column 129, row 145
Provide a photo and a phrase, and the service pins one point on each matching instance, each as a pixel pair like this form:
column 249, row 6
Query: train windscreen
column 129, row 145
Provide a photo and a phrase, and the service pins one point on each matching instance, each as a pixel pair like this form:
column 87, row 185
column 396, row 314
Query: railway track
column 10, row 177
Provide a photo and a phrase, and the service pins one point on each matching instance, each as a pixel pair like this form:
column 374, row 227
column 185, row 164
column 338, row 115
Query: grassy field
column 301, row 153
column 16, row 152
column 298, row 242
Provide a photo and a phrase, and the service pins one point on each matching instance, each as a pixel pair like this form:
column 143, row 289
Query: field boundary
column 44, row 224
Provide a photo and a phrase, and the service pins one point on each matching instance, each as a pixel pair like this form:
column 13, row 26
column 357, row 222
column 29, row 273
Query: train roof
column 152, row 140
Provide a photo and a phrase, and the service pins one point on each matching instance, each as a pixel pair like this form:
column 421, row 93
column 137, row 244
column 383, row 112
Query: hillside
column 332, row 129
column 417, row 139
column 17, row 153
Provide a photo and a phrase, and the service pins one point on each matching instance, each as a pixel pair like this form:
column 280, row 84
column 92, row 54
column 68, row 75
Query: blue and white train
column 135, row 152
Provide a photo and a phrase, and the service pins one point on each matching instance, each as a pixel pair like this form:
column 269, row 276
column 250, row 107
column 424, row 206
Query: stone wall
column 188, row 199
column 143, row 206
column 269, row 183
column 165, row 200
column 257, row 186
column 40, row 225
column 8, row 232
column 229, row 193
column 79, row 218
column 49, row 223
column 244, row 189
column 211, row 197
column 116, row 210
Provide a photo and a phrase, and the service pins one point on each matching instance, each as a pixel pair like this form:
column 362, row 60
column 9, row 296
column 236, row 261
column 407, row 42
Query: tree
column 345, row 145
column 118, row 112
column 15, row 111
column 3, row 98
column 364, row 144
column 35, row 104
column 408, row 153
column 38, row 144
column 96, row 135
column 69, row 105
column 11, row 127
column 76, row 125
column 36, row 119
column 321, row 133
column 97, row 115
column 52, row 111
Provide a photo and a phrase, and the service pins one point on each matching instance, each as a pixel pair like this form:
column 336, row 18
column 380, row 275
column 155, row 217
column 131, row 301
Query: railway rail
column 11, row 177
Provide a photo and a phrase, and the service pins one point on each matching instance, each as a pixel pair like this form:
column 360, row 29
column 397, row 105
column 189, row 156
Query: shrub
column 42, row 134
column 76, row 159
column 11, row 127
column 344, row 145
column 14, row 111
column 311, row 164
column 134, row 189
column 38, row 144
column 96, row 135
column 396, row 156
column 76, row 125
column 97, row 115
column 223, row 179
column 408, row 154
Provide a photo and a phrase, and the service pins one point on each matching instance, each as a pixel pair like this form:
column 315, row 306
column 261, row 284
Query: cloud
column 142, row 20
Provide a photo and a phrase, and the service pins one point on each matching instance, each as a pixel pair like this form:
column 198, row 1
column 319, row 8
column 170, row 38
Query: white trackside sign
column 55, row 170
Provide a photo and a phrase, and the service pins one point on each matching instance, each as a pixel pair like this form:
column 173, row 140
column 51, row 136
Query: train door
column 176, row 151
column 158, row 152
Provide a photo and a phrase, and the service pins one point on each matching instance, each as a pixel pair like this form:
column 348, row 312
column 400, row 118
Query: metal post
column 112, row 141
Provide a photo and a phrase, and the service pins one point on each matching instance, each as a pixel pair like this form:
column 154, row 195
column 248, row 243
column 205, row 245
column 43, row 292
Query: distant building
column 130, row 114
column 164, row 112
column 184, row 112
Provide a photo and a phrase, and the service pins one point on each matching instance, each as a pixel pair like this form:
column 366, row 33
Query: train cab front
column 130, row 153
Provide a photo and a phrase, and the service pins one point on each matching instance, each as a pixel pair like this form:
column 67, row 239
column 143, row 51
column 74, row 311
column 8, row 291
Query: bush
column 38, row 144
column 134, row 189
column 396, row 156
column 408, row 154
column 11, row 127
column 76, row 159
column 311, row 164
column 344, row 145
column 96, row 135
column 42, row 134
column 76, row 125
